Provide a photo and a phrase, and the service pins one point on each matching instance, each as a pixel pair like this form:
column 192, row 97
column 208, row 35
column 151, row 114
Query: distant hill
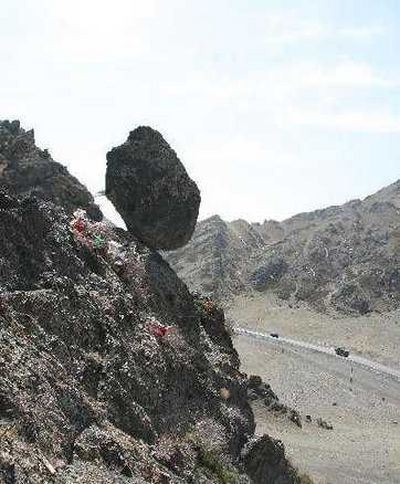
column 344, row 257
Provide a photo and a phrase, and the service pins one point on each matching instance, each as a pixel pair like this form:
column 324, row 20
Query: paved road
column 359, row 360
column 360, row 397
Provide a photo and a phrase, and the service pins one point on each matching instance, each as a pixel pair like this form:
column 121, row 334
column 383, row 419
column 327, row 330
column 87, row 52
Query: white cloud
column 88, row 31
column 344, row 74
column 356, row 121
column 363, row 33
column 296, row 94
column 283, row 81
column 288, row 28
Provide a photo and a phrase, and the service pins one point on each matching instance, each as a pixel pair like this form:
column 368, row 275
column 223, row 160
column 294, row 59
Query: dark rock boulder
column 25, row 169
column 152, row 191
column 259, row 390
column 265, row 462
column 255, row 381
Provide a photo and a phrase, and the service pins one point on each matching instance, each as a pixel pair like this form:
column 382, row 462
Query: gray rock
column 324, row 424
column 255, row 381
column 83, row 379
column 264, row 461
column 25, row 169
column 294, row 416
column 152, row 191
column 88, row 392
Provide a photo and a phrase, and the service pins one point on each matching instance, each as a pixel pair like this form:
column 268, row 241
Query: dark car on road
column 342, row 352
column 274, row 335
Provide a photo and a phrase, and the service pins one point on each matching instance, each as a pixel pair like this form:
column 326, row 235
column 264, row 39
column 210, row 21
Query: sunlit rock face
column 152, row 191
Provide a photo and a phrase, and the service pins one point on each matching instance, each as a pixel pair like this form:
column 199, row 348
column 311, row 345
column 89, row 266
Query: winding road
column 359, row 360
column 358, row 396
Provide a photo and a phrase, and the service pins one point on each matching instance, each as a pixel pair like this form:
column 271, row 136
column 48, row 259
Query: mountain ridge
column 343, row 257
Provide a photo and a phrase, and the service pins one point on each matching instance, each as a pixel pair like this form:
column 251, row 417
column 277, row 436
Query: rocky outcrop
column 261, row 392
column 343, row 258
column 151, row 190
column 111, row 371
column 265, row 462
column 26, row 169
column 87, row 388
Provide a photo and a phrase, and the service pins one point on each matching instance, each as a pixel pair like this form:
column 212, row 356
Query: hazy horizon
column 274, row 107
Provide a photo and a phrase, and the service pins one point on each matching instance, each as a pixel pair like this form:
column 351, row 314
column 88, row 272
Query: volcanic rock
column 25, row 169
column 152, row 191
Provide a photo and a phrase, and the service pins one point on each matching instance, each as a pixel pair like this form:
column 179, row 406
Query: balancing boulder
column 152, row 191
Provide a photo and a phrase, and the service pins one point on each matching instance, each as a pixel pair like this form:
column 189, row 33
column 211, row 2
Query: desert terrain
column 362, row 403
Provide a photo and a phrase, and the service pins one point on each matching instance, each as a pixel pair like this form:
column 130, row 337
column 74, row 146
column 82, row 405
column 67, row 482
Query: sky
column 274, row 107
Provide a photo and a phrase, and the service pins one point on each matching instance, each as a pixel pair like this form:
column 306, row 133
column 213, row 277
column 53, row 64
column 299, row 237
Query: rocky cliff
column 344, row 258
column 111, row 371
column 26, row 169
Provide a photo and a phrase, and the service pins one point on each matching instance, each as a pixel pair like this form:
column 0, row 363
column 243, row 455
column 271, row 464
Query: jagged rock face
column 151, row 190
column 88, row 392
column 265, row 462
column 26, row 169
column 79, row 365
column 344, row 258
column 91, row 389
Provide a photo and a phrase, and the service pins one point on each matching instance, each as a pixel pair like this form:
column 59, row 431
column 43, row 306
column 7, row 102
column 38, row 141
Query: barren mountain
column 111, row 371
column 345, row 257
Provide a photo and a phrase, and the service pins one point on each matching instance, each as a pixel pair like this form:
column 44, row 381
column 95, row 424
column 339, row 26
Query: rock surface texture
column 26, row 169
column 88, row 391
column 111, row 371
column 152, row 191
column 344, row 258
column 265, row 462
